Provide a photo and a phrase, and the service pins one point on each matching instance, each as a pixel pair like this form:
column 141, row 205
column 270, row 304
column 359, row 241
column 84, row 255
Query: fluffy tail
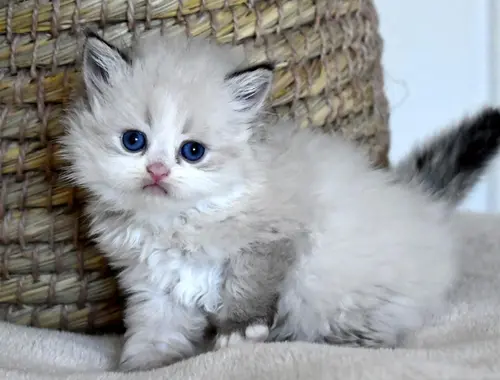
column 450, row 164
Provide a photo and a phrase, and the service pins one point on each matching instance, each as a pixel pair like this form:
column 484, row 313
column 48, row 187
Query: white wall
column 437, row 68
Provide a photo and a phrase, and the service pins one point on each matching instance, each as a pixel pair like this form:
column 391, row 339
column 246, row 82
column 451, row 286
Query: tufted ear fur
column 101, row 61
column 249, row 87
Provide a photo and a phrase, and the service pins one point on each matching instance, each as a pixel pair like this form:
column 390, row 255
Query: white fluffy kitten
column 282, row 235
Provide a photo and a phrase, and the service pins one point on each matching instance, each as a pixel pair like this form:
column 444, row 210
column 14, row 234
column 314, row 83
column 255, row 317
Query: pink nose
column 157, row 171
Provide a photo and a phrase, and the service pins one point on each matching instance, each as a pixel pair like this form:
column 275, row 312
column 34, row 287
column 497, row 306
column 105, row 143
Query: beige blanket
column 465, row 344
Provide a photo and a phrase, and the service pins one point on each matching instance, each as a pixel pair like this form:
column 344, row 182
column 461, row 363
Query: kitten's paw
column 257, row 333
column 146, row 358
column 142, row 361
column 252, row 334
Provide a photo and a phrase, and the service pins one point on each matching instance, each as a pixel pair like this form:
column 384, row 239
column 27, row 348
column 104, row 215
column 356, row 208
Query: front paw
column 251, row 334
column 152, row 356
column 142, row 361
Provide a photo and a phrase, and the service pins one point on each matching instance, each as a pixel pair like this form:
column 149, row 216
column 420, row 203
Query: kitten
column 275, row 233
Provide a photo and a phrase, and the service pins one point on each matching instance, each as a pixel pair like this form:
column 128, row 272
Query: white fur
column 252, row 334
column 372, row 257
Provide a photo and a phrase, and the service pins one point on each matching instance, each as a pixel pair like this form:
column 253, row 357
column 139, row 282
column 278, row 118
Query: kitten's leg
column 330, row 295
column 245, row 318
column 160, row 332
column 381, row 322
column 250, row 293
column 376, row 319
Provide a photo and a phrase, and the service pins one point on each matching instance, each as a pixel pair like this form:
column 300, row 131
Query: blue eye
column 192, row 151
column 134, row 141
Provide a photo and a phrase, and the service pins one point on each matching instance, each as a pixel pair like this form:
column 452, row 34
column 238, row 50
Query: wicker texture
column 328, row 75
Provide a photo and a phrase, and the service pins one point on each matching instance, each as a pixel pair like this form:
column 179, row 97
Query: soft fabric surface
column 464, row 344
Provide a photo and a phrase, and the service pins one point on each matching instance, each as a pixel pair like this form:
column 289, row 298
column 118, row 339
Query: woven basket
column 328, row 75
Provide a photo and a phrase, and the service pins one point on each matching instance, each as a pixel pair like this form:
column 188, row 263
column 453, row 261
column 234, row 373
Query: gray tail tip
column 450, row 164
column 470, row 146
column 477, row 140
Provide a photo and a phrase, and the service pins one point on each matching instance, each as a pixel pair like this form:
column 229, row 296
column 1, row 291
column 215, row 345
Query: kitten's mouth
column 155, row 188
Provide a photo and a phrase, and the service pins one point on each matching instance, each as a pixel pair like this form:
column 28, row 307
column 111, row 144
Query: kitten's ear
column 100, row 61
column 249, row 87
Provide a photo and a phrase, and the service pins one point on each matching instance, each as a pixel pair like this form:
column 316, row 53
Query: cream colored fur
column 364, row 260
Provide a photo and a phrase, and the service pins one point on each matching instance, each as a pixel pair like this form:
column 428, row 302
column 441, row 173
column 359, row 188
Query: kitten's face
column 168, row 127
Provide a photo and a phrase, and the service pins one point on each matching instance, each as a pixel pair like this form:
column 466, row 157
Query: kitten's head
column 168, row 124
